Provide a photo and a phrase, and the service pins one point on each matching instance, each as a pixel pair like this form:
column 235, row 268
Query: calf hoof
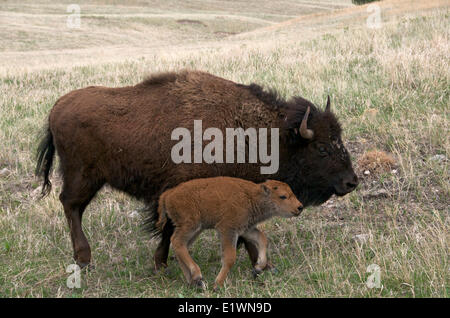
column 271, row 268
column 199, row 283
column 256, row 272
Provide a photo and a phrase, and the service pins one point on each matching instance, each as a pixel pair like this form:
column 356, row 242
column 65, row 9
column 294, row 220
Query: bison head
column 318, row 164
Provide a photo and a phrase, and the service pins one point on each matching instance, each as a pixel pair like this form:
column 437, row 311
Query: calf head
column 284, row 201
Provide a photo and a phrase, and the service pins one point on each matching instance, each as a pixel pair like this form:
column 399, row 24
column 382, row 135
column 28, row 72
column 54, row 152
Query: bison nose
column 347, row 184
column 352, row 183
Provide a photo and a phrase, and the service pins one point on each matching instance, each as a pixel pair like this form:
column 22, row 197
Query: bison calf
column 231, row 206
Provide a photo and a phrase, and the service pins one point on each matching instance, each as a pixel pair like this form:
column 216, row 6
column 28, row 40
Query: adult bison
column 122, row 137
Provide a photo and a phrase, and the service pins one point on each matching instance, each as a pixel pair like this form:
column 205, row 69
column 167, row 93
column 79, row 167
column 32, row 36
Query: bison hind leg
column 77, row 193
column 162, row 251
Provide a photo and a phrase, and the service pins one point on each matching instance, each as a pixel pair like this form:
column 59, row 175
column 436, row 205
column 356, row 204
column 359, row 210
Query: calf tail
column 45, row 155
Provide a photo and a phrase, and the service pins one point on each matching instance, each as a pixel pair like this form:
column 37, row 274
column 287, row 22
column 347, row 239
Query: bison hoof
column 159, row 266
column 87, row 266
column 163, row 270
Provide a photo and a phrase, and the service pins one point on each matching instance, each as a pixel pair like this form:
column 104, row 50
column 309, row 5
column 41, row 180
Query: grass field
column 389, row 87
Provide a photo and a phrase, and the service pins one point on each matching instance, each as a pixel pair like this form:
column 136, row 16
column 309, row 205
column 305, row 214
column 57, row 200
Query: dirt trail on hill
column 388, row 8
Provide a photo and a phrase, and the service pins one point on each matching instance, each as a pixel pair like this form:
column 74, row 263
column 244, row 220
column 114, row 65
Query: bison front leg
column 257, row 243
column 251, row 248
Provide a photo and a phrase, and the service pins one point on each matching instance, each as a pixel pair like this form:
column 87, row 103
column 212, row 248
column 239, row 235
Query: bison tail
column 155, row 219
column 45, row 155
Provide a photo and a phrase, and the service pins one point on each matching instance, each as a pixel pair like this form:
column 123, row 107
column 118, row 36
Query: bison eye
column 323, row 151
column 283, row 197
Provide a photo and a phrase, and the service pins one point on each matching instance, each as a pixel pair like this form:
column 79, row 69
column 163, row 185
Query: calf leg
column 192, row 240
column 228, row 257
column 191, row 271
column 162, row 251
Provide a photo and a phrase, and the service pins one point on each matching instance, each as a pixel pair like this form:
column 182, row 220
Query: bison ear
column 265, row 189
column 327, row 108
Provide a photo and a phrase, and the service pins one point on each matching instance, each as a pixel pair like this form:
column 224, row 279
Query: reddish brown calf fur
column 231, row 206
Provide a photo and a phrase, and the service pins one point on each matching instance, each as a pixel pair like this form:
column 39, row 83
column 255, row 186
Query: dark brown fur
column 122, row 137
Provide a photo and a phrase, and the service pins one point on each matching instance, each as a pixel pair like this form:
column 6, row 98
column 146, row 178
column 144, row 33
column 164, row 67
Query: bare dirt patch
column 189, row 21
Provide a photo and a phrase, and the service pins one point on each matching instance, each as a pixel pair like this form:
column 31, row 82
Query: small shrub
column 358, row 2
column 376, row 161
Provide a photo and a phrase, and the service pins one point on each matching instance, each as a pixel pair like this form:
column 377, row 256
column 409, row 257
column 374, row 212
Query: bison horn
column 327, row 108
column 304, row 131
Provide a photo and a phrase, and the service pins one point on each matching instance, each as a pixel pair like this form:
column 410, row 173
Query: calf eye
column 283, row 197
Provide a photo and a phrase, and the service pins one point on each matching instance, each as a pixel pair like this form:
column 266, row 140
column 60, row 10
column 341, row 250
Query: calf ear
column 265, row 189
